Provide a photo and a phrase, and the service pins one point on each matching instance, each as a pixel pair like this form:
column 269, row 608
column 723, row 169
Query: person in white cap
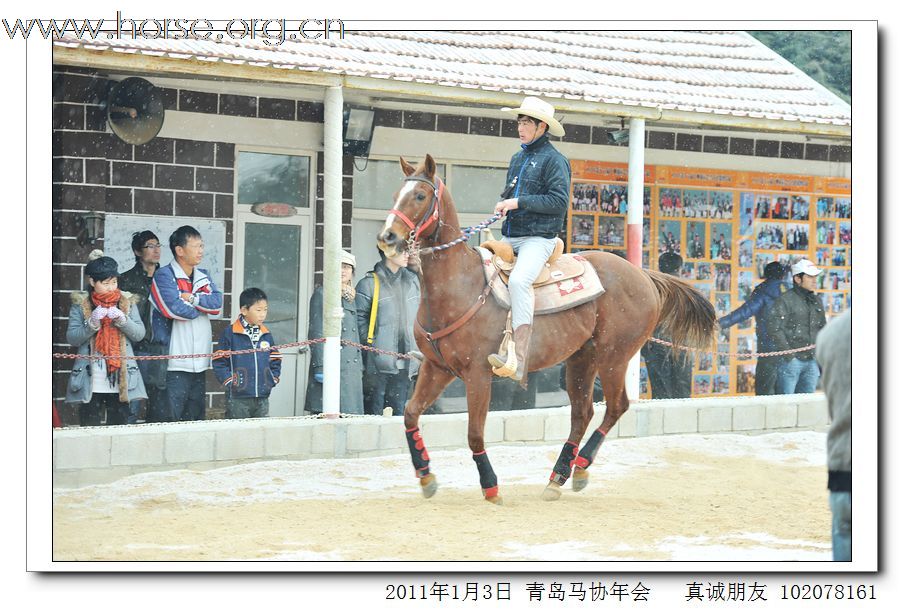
column 351, row 394
column 793, row 322
column 534, row 202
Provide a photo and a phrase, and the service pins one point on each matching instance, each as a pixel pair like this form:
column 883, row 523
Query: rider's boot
column 522, row 347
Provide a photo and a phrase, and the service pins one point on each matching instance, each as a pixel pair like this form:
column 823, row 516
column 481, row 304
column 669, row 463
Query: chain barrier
column 364, row 347
column 744, row 355
column 268, row 349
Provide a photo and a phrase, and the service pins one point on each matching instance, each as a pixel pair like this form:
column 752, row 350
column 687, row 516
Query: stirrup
column 506, row 363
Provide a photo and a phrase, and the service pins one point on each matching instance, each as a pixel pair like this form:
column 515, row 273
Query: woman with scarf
column 351, row 394
column 104, row 321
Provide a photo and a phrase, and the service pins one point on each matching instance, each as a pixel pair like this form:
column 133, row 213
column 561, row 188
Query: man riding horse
column 535, row 202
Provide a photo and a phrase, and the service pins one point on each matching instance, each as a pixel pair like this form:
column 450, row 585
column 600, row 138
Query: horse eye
column 421, row 197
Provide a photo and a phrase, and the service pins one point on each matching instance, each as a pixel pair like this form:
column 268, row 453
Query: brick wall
column 94, row 170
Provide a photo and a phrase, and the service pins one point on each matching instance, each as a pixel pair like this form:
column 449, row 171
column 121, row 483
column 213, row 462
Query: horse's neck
column 451, row 282
column 451, row 278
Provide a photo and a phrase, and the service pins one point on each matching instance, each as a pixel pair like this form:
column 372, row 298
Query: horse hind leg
column 579, row 379
column 616, row 405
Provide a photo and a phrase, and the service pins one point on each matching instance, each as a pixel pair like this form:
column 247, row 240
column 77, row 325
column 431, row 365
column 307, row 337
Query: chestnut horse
column 457, row 327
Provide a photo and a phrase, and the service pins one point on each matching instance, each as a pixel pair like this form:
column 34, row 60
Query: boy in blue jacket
column 248, row 377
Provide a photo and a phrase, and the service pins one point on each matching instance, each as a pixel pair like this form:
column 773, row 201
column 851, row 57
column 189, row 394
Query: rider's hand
column 506, row 205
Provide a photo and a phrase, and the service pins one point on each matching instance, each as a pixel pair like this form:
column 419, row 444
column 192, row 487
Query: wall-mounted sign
column 273, row 209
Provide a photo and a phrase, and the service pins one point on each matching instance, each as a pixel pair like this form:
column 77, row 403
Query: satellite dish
column 135, row 110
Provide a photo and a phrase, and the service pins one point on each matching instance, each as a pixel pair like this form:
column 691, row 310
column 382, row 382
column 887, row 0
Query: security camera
column 618, row 137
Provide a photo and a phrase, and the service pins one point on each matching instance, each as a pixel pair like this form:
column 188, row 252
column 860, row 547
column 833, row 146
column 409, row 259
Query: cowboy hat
column 538, row 109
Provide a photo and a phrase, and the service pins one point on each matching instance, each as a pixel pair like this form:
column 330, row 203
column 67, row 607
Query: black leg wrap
column 419, row 456
column 562, row 469
column 485, row 470
column 588, row 453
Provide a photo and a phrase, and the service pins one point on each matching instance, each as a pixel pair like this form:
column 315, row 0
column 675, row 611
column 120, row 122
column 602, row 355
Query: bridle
column 431, row 215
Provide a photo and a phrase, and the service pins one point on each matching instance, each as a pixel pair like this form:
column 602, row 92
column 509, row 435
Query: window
column 270, row 177
column 477, row 189
column 378, row 182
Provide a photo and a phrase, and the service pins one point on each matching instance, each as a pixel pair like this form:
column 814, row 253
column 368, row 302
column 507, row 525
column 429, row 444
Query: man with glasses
column 146, row 247
column 183, row 298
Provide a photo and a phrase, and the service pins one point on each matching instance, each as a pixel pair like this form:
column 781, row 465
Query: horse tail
column 684, row 314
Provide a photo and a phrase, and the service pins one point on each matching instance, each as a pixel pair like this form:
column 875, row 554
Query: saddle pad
column 562, row 269
column 554, row 296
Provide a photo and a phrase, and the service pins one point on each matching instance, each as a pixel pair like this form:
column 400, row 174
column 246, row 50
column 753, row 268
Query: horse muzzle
column 391, row 243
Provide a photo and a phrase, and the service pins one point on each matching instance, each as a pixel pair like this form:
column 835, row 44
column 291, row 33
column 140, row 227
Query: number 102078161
column 828, row 591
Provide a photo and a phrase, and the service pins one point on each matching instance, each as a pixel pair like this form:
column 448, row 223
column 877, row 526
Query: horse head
column 415, row 213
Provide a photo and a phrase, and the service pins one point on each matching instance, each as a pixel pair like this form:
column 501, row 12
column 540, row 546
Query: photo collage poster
column 597, row 217
column 727, row 226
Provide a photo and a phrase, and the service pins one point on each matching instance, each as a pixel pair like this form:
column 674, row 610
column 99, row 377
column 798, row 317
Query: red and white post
column 635, row 230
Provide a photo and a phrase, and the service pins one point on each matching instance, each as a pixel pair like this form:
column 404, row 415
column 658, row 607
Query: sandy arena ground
column 679, row 498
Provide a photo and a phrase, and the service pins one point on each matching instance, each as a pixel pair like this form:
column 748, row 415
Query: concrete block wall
column 94, row 455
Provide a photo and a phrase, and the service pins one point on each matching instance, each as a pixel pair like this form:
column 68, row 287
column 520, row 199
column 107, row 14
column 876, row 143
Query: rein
column 431, row 216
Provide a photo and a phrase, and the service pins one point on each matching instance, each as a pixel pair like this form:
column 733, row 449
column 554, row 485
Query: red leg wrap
column 491, row 492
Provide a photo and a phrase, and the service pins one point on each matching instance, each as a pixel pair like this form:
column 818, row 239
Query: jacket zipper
column 518, row 177
column 256, row 390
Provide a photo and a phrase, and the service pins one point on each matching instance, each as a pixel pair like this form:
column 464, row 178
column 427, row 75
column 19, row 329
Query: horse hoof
column 495, row 499
column 580, row 479
column 552, row 492
column 429, row 485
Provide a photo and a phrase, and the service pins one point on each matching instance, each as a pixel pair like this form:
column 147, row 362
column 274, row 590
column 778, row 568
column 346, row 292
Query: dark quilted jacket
column 540, row 177
column 794, row 320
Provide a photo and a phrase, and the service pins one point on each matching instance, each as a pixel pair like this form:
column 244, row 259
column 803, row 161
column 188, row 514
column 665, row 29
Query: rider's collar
column 536, row 142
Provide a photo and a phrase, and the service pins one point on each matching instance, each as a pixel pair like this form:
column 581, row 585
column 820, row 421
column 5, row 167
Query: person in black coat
column 794, row 320
column 351, row 395
column 146, row 247
column 670, row 375
column 757, row 305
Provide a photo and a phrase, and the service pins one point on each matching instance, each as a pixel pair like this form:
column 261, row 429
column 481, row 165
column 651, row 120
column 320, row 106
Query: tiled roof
column 727, row 73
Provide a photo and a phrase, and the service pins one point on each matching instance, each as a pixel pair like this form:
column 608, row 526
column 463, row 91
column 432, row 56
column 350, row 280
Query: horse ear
column 407, row 168
column 429, row 166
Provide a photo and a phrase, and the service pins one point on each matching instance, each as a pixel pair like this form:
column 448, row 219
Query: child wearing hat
column 248, row 377
column 104, row 321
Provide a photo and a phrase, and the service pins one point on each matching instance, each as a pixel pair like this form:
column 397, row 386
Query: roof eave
column 181, row 66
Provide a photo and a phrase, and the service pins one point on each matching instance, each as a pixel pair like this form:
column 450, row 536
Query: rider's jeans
column 533, row 252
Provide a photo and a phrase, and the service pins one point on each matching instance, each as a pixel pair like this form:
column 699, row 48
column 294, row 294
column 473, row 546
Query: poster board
column 118, row 230
column 726, row 225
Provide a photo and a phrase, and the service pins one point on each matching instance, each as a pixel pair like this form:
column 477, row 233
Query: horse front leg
column 478, row 392
column 431, row 381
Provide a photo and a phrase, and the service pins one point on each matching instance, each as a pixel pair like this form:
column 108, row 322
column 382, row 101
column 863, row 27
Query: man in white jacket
column 183, row 297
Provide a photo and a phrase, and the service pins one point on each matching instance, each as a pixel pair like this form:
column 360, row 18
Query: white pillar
column 635, row 230
column 332, row 244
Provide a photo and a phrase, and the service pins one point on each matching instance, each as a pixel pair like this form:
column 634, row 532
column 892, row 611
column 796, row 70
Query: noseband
column 431, row 215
